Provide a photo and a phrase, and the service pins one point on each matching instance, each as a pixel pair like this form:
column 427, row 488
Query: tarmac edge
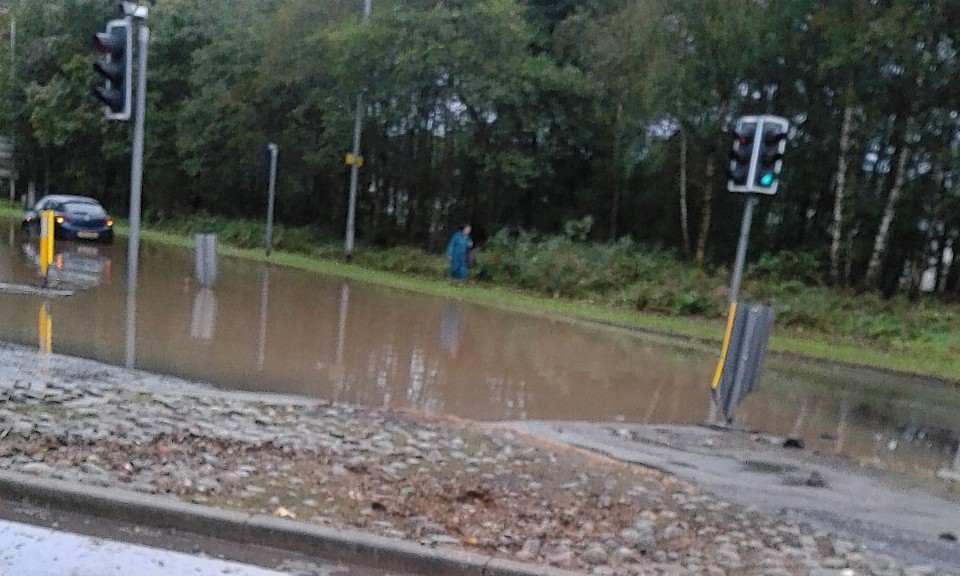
column 348, row 546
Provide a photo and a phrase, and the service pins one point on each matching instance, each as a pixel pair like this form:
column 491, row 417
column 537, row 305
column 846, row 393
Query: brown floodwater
column 275, row 329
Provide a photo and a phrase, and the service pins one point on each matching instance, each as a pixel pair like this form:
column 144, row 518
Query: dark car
column 75, row 218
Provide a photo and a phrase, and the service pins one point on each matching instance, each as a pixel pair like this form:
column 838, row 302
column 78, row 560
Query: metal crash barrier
column 744, row 344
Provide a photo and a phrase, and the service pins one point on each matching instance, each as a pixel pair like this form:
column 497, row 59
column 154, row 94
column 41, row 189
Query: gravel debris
column 441, row 482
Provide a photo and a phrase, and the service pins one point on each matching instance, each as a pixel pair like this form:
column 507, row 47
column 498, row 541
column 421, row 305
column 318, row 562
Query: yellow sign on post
column 46, row 241
column 349, row 160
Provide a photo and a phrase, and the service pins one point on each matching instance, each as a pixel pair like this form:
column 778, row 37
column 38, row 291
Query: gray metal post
column 355, row 167
column 136, row 162
column 271, row 192
column 13, row 75
column 742, row 247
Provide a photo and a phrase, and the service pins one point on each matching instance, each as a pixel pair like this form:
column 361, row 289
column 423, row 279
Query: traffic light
column 756, row 154
column 772, row 143
column 115, row 66
column 741, row 154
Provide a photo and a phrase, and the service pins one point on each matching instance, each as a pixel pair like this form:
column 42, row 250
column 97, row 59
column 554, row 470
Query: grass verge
column 918, row 355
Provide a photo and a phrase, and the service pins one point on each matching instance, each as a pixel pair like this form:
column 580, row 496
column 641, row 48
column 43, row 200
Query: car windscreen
column 86, row 209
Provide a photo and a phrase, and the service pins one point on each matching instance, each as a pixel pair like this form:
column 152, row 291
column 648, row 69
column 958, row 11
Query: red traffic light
column 111, row 43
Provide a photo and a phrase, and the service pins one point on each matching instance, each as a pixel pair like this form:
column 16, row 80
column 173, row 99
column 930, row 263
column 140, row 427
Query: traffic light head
column 114, row 68
column 772, row 143
column 756, row 154
column 741, row 153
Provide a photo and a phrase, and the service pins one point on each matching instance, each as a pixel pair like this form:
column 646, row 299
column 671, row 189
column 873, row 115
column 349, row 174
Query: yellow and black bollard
column 46, row 243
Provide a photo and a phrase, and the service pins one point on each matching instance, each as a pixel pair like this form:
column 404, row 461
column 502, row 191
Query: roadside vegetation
column 625, row 283
column 557, row 129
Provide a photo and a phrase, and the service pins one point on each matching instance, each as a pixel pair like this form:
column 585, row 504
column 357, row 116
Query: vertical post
column 47, row 232
column 355, row 166
column 742, row 247
column 136, row 163
column 13, row 75
column 271, row 193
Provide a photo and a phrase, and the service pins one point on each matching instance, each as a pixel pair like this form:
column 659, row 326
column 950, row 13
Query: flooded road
column 266, row 328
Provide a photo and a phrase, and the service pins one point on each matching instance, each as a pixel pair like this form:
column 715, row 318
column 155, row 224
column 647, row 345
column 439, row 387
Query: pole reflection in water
column 45, row 330
column 262, row 334
column 842, row 425
column 130, row 333
column 204, row 315
column 450, row 327
column 339, row 374
column 44, row 338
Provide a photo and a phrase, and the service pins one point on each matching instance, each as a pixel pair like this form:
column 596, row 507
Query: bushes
column 239, row 233
column 628, row 275
column 567, row 267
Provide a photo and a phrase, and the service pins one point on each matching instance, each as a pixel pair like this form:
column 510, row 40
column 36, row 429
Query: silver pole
column 13, row 75
column 742, row 247
column 136, row 163
column 355, row 167
column 271, row 192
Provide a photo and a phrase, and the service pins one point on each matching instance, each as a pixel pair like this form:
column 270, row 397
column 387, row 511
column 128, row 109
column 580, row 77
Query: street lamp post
column 355, row 165
column 13, row 75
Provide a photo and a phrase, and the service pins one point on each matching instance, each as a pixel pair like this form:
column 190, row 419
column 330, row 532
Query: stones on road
column 431, row 481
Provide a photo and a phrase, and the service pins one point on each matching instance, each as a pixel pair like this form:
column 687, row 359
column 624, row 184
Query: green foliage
column 565, row 118
column 404, row 260
column 567, row 267
column 239, row 233
column 800, row 267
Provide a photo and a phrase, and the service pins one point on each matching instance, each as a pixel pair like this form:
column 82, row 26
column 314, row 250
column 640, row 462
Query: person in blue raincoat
column 458, row 250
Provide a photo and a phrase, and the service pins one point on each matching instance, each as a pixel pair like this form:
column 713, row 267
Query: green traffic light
column 766, row 179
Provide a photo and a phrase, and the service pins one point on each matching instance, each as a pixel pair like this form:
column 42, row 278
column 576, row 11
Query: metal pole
column 742, row 247
column 13, row 75
column 271, row 192
column 136, row 163
column 355, row 167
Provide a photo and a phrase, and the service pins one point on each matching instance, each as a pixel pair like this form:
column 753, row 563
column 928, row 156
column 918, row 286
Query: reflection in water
column 130, row 317
column 262, row 332
column 204, row 315
column 380, row 347
column 338, row 374
column 75, row 266
column 45, row 329
column 450, row 326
